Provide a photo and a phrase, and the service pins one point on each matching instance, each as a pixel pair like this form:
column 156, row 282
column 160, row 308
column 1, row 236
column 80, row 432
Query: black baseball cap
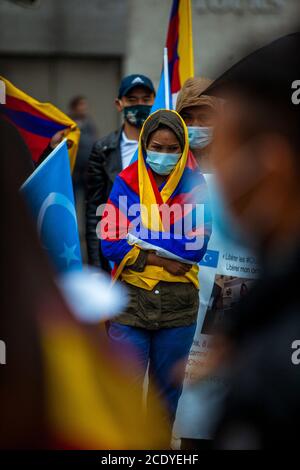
column 131, row 81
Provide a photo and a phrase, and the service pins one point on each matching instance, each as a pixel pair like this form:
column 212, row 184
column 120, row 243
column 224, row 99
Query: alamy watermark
column 2, row 353
column 178, row 222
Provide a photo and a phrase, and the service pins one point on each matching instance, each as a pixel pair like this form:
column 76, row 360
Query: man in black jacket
column 257, row 162
column 112, row 153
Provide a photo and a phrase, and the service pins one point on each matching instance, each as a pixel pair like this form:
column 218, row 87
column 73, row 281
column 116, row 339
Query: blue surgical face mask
column 162, row 163
column 223, row 221
column 199, row 137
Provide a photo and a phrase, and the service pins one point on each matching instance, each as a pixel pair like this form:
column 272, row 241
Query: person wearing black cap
column 112, row 153
column 257, row 164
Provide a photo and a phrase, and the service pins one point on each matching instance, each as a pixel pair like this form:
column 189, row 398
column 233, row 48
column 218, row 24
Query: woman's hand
column 173, row 267
column 57, row 138
column 176, row 267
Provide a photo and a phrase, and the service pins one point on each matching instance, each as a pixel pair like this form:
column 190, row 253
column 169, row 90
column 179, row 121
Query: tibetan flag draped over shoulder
column 174, row 220
column 38, row 122
column 180, row 45
column 49, row 195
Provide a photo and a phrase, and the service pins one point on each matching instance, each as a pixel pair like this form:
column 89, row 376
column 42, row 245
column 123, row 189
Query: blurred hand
column 176, row 267
column 57, row 138
column 70, row 143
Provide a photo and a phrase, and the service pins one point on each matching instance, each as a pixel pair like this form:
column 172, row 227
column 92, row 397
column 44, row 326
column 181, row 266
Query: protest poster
column 226, row 273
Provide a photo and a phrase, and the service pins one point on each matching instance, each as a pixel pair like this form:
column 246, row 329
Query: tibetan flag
column 173, row 221
column 38, row 122
column 180, row 45
column 49, row 194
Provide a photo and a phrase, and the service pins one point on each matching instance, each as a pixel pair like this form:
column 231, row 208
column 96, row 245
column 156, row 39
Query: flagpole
column 166, row 76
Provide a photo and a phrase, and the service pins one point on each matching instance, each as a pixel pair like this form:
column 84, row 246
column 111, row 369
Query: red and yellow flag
column 180, row 44
column 38, row 122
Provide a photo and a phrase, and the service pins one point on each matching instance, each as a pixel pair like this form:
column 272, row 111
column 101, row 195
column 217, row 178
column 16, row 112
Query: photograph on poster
column 226, row 292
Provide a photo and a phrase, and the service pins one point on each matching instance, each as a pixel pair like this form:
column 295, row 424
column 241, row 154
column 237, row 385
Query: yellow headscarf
column 150, row 212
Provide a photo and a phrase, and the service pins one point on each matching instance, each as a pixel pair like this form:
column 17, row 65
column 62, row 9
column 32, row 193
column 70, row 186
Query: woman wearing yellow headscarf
column 155, row 228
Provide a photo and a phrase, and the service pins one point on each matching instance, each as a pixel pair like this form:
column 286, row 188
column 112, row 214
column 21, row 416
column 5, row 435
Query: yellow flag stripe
column 185, row 41
column 151, row 217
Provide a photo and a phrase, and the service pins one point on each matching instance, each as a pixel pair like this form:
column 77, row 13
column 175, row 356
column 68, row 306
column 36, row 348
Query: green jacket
column 168, row 305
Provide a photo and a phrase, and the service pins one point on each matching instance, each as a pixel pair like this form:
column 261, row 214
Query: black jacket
column 263, row 406
column 105, row 163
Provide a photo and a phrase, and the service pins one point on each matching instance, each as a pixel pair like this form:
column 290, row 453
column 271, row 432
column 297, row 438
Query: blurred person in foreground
column 155, row 256
column 202, row 400
column 198, row 112
column 257, row 163
column 61, row 386
column 113, row 153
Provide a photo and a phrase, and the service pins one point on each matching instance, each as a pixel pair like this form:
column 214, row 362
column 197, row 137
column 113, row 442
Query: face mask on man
column 223, row 221
column 137, row 114
column 245, row 188
column 199, row 137
column 162, row 163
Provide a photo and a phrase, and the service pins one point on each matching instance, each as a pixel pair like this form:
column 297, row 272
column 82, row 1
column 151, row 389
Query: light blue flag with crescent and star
column 49, row 195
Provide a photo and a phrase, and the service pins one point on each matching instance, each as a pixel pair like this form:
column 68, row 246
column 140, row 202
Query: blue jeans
column 161, row 349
